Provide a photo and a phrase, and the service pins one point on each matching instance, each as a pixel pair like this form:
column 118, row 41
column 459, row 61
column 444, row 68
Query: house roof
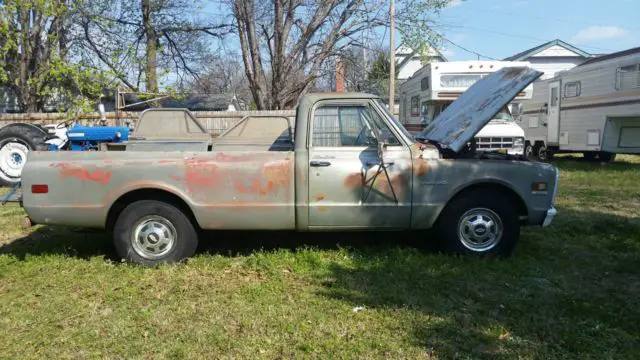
column 612, row 56
column 411, row 53
column 531, row 52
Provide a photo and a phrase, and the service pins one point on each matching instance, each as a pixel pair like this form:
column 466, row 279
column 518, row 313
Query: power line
column 562, row 20
column 517, row 36
column 468, row 50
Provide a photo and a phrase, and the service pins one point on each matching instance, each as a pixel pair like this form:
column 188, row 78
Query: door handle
column 319, row 163
column 371, row 163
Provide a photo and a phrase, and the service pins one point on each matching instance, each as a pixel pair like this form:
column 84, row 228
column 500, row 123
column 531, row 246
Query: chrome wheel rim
column 153, row 237
column 13, row 156
column 480, row 229
column 528, row 151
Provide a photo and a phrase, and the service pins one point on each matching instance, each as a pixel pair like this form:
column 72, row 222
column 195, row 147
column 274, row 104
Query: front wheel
column 150, row 232
column 479, row 224
column 528, row 150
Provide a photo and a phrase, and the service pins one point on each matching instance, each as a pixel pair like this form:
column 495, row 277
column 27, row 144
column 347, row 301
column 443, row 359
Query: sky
column 501, row 28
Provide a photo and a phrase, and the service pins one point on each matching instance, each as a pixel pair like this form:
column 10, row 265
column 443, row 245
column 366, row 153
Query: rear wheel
column 150, row 232
column 480, row 224
column 544, row 154
column 15, row 142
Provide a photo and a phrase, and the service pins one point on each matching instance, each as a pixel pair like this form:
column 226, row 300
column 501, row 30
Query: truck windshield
column 394, row 120
column 503, row 114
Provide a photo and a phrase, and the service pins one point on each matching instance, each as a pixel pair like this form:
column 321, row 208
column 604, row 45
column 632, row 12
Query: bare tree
column 285, row 43
column 140, row 42
column 223, row 73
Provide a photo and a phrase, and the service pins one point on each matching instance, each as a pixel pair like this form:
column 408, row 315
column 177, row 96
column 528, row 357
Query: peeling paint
column 69, row 170
column 420, row 167
column 353, row 181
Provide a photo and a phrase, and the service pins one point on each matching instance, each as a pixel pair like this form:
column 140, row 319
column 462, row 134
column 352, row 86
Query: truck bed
column 225, row 189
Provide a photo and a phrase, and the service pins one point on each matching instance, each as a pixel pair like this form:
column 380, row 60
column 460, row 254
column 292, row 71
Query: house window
column 424, row 83
column 572, row 89
column 415, row 105
column 628, row 77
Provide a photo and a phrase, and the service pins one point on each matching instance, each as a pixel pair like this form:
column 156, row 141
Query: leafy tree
column 34, row 57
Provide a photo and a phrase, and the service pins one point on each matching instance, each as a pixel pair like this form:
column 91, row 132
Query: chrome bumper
column 551, row 213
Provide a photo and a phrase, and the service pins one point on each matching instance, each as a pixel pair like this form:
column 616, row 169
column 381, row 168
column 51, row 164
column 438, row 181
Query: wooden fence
column 214, row 121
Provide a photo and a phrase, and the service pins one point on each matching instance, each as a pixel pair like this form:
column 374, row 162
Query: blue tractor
column 16, row 140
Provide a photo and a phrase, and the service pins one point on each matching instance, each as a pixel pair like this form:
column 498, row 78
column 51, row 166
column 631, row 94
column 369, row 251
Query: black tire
column 30, row 136
column 589, row 156
column 528, row 150
column 544, row 154
column 448, row 227
column 185, row 239
column 606, row 156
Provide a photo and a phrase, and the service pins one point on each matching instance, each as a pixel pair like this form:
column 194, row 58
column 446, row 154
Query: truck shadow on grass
column 52, row 240
column 86, row 244
column 568, row 289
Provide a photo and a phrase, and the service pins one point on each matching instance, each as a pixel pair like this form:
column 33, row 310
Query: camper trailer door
column 553, row 118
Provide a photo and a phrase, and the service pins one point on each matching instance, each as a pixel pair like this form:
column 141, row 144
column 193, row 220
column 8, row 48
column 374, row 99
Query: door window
column 554, row 96
column 348, row 125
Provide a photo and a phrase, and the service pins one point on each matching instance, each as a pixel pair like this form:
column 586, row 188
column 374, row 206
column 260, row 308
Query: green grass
column 569, row 291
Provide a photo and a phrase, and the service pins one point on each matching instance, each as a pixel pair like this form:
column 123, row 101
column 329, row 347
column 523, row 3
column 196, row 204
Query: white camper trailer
column 436, row 85
column 593, row 108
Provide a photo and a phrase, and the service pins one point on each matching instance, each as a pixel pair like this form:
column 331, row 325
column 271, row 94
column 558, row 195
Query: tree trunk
column 151, row 49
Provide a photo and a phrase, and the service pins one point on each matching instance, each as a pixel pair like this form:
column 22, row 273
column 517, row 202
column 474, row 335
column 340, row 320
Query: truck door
column 553, row 119
column 348, row 186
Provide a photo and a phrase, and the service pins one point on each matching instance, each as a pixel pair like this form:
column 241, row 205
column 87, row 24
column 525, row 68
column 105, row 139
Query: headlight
column 519, row 141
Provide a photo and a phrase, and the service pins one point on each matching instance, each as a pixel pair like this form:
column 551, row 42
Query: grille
column 494, row 143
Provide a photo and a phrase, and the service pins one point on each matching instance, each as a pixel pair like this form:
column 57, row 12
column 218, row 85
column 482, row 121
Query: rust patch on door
column 353, row 181
column 73, row 171
column 319, row 197
column 420, row 167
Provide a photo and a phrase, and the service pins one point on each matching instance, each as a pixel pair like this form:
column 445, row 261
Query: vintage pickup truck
column 347, row 164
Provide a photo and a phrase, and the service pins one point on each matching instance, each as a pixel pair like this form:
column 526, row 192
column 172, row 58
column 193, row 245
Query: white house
column 552, row 56
column 409, row 61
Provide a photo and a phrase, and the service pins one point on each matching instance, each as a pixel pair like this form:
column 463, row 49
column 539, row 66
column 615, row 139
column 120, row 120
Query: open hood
column 462, row 120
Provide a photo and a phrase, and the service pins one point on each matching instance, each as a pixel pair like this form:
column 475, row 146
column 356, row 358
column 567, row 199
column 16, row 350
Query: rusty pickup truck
column 345, row 164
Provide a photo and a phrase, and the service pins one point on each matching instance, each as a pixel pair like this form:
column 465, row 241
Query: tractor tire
column 479, row 223
column 151, row 232
column 16, row 140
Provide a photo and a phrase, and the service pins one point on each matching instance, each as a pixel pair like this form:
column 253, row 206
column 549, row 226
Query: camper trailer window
column 415, row 105
column 628, row 77
column 424, row 83
column 572, row 89
column 459, row 80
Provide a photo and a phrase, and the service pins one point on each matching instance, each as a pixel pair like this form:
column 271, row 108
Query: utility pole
column 392, row 56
